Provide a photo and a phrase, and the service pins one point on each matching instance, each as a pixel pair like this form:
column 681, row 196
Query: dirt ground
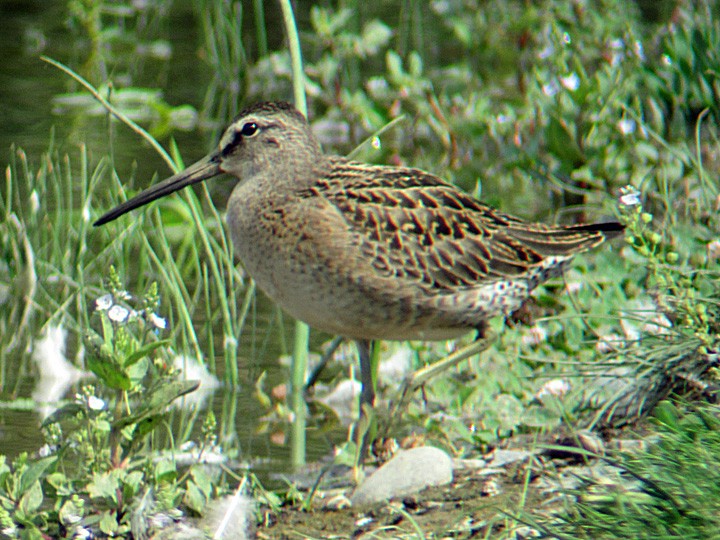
column 480, row 502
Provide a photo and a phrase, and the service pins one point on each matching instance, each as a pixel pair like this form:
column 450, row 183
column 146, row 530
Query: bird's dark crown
column 270, row 107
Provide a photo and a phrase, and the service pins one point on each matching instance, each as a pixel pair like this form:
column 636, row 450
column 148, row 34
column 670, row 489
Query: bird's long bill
column 203, row 169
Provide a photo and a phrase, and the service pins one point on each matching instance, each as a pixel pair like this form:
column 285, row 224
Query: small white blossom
column 617, row 48
column 95, row 403
column 566, row 38
column 571, row 82
column 713, row 250
column 46, row 450
column 546, row 52
column 666, row 60
column 72, row 519
column 535, row 336
column 554, row 387
column 626, row 126
column 81, row 533
column 573, row 285
column 157, row 321
column 34, row 202
column 629, row 196
column 118, row 314
column 104, row 303
column 550, row 89
column 502, row 118
column 124, row 295
column 639, row 51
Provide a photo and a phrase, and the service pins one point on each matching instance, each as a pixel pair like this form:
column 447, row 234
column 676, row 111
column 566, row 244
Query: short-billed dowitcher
column 365, row 251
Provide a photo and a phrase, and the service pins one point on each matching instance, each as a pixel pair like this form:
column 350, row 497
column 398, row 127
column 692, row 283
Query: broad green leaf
column 110, row 374
column 35, row 471
column 104, row 486
column 158, row 399
column 194, row 498
column 108, row 524
column 202, row 480
column 144, row 351
column 165, row 471
column 31, row 499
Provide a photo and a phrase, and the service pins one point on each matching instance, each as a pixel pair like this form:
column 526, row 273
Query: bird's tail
column 567, row 240
column 610, row 229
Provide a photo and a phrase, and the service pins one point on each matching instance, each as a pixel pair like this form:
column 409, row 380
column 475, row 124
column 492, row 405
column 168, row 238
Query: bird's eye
column 249, row 129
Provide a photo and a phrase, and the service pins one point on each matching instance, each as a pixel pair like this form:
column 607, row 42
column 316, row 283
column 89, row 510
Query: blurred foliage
column 669, row 490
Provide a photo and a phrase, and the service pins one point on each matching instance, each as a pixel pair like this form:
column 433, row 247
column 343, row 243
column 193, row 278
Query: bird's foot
column 418, row 378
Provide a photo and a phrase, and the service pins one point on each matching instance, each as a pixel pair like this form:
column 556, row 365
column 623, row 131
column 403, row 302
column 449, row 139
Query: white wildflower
column 546, row 52
column 34, row 202
column 629, row 196
column 626, row 126
column 554, row 387
column 157, row 321
column 571, row 82
column 550, row 89
column 713, row 250
column 95, row 403
column 639, row 51
column 104, row 303
column 123, row 295
column 118, row 314
column 535, row 336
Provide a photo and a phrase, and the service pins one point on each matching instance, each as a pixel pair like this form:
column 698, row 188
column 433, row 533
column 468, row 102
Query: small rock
column 501, row 458
column 408, row 472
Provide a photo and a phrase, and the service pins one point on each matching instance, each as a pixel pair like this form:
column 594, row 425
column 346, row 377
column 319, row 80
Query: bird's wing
column 414, row 226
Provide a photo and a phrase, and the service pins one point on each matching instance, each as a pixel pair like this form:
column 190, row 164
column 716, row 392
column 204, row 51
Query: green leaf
column 165, row 471
column 138, row 370
column 561, row 142
column 194, row 498
column 202, row 480
column 108, row 331
column 34, row 472
column 110, row 374
column 144, row 351
column 69, row 512
column 394, row 65
column 375, row 35
column 104, row 486
column 31, row 499
column 108, row 524
column 158, row 399
column 132, row 483
column 667, row 415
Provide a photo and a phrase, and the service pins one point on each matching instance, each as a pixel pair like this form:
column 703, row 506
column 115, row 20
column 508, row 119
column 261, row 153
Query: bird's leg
column 327, row 355
column 421, row 376
column 367, row 394
column 365, row 426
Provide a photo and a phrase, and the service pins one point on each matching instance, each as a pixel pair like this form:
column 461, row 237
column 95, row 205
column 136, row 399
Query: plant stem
column 302, row 332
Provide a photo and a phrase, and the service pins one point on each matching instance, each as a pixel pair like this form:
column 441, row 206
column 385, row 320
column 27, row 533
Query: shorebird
column 370, row 252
